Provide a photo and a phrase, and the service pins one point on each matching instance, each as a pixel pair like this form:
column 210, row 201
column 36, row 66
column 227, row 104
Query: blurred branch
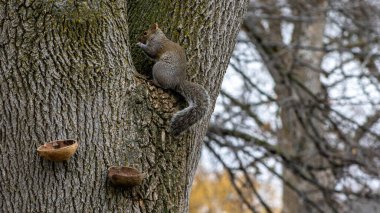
column 371, row 120
column 323, row 82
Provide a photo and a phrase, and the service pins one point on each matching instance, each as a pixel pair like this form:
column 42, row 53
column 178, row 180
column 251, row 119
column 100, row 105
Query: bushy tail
column 198, row 100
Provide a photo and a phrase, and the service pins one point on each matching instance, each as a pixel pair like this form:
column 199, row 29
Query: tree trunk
column 301, row 130
column 297, row 84
column 66, row 71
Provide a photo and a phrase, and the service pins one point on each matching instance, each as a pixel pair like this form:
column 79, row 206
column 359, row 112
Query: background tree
column 66, row 71
column 306, row 97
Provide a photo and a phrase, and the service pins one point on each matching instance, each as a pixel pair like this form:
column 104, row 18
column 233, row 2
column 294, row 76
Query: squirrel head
column 149, row 32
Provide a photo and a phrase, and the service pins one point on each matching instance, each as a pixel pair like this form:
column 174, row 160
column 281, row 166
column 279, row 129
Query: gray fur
column 169, row 72
column 198, row 100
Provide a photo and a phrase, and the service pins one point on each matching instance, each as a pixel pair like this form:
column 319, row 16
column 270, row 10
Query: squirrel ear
column 154, row 26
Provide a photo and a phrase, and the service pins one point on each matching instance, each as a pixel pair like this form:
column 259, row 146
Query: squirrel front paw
column 140, row 44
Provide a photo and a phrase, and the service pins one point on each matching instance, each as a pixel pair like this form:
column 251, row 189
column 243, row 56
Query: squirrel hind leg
column 164, row 75
column 155, row 82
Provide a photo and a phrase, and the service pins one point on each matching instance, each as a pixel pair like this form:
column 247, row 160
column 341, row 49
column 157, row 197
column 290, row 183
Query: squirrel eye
column 145, row 33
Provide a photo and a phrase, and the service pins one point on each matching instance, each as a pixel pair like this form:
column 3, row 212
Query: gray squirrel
column 169, row 72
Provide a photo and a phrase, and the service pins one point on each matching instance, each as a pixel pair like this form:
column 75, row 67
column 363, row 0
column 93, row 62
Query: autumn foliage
column 212, row 192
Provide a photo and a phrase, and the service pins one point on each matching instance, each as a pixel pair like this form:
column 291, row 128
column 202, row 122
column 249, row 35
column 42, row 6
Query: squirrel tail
column 198, row 100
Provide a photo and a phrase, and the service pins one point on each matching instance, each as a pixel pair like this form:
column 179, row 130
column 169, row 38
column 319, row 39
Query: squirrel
column 169, row 72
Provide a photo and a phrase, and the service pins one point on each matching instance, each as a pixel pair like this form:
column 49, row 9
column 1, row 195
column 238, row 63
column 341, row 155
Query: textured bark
column 66, row 71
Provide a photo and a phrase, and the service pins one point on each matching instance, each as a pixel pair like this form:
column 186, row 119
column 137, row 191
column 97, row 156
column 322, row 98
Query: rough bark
column 66, row 71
